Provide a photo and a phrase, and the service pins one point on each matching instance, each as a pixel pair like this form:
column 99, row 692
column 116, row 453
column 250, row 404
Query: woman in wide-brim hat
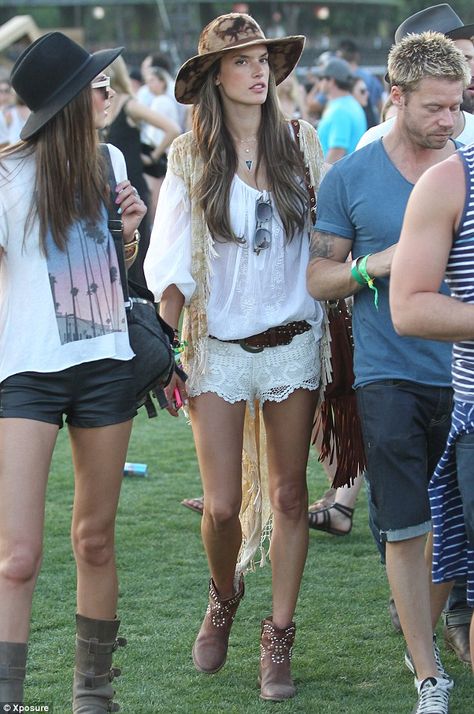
column 67, row 354
column 231, row 244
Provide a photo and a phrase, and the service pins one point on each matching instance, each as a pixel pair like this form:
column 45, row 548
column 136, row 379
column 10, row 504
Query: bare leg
column 218, row 429
column 99, row 456
column 345, row 496
column 439, row 593
column 409, row 580
column 288, row 427
column 26, row 447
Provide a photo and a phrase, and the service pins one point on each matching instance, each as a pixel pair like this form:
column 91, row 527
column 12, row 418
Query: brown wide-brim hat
column 51, row 72
column 231, row 32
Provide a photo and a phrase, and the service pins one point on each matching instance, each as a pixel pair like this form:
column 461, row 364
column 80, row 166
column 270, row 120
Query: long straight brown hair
column 71, row 180
column 278, row 152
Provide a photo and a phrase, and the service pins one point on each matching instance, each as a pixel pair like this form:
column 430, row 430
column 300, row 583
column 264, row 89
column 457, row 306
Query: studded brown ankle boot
column 275, row 661
column 210, row 647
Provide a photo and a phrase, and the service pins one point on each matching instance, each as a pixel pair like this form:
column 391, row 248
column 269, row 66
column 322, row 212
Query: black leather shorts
column 89, row 395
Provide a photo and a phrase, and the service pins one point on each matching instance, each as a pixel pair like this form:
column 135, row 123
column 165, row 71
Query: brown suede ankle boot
column 96, row 641
column 276, row 647
column 210, row 647
column 12, row 671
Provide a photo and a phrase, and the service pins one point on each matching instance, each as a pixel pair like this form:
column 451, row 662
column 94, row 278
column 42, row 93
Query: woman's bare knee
column 221, row 514
column 22, row 564
column 289, row 499
column 93, row 548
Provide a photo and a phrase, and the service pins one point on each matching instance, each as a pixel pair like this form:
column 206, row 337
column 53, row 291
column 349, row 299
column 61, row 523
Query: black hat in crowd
column 51, row 72
column 438, row 18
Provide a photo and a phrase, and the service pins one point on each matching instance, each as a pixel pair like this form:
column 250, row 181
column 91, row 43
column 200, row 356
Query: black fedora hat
column 51, row 72
column 438, row 18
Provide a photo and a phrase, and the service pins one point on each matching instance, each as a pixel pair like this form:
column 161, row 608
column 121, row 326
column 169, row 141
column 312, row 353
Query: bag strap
column 307, row 178
column 115, row 224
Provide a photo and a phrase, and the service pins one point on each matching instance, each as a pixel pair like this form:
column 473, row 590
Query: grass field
column 347, row 658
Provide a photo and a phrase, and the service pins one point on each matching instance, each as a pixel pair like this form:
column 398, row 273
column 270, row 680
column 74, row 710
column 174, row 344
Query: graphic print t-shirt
column 85, row 283
column 65, row 308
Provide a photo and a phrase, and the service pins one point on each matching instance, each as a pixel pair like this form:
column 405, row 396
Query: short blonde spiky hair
column 429, row 54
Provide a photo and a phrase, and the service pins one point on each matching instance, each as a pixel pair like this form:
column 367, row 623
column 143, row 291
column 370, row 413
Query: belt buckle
column 249, row 348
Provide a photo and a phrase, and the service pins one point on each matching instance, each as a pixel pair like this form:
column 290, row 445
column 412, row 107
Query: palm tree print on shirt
column 85, row 283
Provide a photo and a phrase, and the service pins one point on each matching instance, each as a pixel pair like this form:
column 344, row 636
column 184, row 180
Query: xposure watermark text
column 22, row 708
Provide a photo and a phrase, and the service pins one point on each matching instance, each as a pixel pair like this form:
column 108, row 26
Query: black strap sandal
column 325, row 524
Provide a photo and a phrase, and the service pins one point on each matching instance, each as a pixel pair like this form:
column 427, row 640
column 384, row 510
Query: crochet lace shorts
column 273, row 374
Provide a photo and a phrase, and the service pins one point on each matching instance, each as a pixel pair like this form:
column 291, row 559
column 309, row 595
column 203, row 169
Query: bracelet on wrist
column 355, row 273
column 361, row 267
column 131, row 251
column 135, row 240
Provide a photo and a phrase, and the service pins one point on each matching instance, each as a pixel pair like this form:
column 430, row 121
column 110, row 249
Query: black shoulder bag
column 150, row 336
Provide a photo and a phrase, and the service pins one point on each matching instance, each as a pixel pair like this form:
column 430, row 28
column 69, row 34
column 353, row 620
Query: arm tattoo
column 321, row 245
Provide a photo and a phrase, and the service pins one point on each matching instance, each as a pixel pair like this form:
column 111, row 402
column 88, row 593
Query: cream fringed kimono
column 179, row 214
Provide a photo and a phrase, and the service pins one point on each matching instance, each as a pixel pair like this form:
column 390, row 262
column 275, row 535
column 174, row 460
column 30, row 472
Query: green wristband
column 362, row 268
column 355, row 273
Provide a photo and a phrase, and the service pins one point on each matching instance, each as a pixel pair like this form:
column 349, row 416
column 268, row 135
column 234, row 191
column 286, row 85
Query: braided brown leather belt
column 273, row 337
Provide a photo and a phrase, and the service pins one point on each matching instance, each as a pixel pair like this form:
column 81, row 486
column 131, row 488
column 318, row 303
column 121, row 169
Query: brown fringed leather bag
column 337, row 417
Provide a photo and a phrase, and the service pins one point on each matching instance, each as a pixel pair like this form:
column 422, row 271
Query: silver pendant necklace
column 245, row 145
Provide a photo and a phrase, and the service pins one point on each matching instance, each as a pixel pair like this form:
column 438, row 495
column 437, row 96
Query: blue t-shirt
column 363, row 198
column 342, row 124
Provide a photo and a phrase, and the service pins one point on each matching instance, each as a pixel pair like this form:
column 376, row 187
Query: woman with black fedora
column 231, row 245
column 64, row 351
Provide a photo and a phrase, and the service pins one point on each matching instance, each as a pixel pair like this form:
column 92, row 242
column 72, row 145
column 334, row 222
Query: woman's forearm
column 171, row 304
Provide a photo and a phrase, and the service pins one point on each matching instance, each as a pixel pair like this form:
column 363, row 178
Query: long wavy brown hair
column 278, row 152
column 71, row 180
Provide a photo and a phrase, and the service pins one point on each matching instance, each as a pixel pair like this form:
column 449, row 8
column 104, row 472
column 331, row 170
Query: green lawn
column 347, row 658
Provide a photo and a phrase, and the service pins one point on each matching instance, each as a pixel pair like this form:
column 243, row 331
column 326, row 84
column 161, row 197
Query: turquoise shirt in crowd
column 342, row 124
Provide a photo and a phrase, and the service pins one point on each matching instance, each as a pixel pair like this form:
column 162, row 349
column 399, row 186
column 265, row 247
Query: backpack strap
column 115, row 224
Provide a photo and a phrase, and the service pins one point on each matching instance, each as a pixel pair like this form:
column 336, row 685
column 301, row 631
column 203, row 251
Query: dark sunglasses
column 103, row 85
column 263, row 214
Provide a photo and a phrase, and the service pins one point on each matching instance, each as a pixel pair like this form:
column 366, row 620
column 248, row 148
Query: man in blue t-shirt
column 403, row 384
column 343, row 121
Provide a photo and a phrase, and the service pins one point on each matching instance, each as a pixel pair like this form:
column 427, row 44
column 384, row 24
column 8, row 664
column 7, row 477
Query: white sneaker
column 442, row 674
column 433, row 697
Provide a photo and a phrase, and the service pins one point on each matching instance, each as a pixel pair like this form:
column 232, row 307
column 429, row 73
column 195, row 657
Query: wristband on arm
column 361, row 276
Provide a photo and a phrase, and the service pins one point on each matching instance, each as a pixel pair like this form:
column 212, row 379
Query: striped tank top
column 460, row 279
column 453, row 556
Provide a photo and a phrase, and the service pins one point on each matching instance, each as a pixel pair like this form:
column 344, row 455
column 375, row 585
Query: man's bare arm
column 431, row 219
column 329, row 274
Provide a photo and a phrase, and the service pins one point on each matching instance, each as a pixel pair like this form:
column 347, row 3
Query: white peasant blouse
column 249, row 293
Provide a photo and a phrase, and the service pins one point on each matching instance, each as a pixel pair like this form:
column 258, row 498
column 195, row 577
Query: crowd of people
column 248, row 201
